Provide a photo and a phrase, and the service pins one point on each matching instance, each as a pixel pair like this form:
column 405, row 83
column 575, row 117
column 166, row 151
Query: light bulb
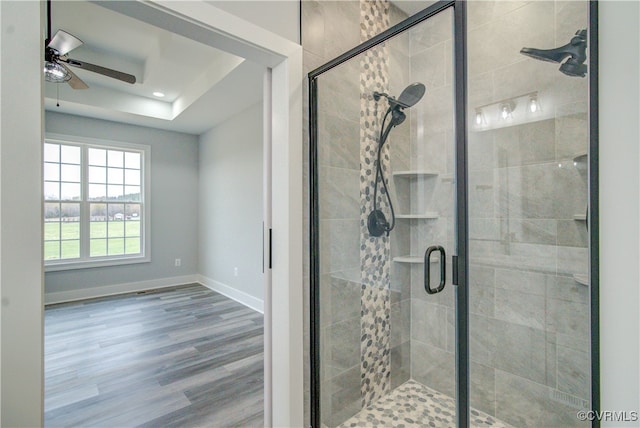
column 480, row 118
column 505, row 111
column 533, row 104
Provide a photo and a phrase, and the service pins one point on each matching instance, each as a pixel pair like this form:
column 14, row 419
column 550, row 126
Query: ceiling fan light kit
column 55, row 56
column 55, row 73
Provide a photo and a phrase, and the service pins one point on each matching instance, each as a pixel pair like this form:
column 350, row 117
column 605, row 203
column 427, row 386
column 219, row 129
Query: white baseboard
column 232, row 293
column 110, row 290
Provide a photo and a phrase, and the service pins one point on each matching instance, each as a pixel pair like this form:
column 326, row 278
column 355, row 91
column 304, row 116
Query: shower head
column 575, row 50
column 408, row 98
column 411, row 95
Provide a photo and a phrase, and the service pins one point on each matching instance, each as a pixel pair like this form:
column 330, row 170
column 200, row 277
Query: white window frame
column 85, row 260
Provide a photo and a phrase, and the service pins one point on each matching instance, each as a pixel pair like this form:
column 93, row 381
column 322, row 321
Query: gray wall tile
column 428, row 323
column 526, row 144
column 400, row 364
column 433, row 366
column 520, row 308
column 339, row 245
column 431, row 32
column 527, row 26
column 568, row 317
column 340, row 27
column 523, row 403
column 341, row 344
column 520, row 350
column 400, row 322
column 482, row 391
column 339, row 193
column 339, row 300
column 574, row 371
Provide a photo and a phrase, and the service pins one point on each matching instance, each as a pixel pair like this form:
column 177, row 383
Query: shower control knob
column 377, row 224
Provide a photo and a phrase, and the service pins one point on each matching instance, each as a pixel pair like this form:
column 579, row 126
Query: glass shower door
column 386, row 229
column 529, row 293
column 395, row 341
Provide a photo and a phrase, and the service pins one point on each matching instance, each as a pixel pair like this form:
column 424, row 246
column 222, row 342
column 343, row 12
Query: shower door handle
column 427, row 269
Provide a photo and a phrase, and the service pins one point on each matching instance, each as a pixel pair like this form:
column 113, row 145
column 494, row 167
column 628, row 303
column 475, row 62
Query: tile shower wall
column 529, row 318
column 432, row 357
column 529, row 321
column 329, row 29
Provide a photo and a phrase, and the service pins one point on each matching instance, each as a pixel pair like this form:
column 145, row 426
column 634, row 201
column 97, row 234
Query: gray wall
column 174, row 201
column 230, row 209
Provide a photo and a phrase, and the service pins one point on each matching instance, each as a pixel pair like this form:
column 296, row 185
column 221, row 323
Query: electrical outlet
column 235, row 271
column 178, row 262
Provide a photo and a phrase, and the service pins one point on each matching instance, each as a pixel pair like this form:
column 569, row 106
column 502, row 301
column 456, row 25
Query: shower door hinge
column 454, row 270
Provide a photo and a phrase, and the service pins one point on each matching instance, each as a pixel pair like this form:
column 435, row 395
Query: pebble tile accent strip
column 375, row 363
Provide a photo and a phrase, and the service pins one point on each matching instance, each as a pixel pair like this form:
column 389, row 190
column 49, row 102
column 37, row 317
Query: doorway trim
column 207, row 24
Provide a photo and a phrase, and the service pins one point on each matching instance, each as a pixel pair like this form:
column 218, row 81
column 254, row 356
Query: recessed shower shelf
column 582, row 157
column 418, row 216
column 581, row 278
column 414, row 259
column 414, row 174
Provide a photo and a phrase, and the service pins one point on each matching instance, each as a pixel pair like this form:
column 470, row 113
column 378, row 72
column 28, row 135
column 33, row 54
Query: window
column 94, row 204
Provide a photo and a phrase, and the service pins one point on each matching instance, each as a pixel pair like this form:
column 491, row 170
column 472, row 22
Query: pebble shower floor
column 414, row 405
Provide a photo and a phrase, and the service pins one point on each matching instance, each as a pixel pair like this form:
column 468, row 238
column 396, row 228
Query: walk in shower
column 452, row 219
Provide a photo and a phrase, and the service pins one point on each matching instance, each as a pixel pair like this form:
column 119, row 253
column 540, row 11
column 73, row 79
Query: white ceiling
column 203, row 86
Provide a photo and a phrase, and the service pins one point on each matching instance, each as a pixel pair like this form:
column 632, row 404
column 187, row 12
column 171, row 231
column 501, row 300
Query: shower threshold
column 415, row 405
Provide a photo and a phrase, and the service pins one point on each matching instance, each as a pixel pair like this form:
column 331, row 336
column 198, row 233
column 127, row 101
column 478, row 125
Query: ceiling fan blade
column 129, row 78
column 75, row 82
column 64, row 42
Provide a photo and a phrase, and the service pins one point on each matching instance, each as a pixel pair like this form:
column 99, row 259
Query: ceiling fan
column 56, row 59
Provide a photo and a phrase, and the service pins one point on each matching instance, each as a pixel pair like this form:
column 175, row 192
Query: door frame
column 461, row 268
column 22, row 332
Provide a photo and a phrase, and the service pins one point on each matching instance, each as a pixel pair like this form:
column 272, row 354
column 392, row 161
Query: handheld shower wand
column 377, row 223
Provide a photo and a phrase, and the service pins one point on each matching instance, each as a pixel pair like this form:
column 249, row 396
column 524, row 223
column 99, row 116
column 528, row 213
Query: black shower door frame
column 461, row 262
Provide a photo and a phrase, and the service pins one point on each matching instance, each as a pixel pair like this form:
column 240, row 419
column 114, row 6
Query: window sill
column 88, row 264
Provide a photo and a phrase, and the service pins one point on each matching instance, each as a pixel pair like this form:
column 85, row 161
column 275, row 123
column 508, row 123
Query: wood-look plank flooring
column 183, row 357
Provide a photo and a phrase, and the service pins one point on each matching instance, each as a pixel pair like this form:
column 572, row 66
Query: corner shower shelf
column 414, row 174
column 582, row 157
column 414, row 259
column 580, row 217
column 581, row 278
column 427, row 216
column 447, row 178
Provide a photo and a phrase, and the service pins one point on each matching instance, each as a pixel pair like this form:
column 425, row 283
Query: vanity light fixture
column 480, row 120
column 506, row 109
column 534, row 105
